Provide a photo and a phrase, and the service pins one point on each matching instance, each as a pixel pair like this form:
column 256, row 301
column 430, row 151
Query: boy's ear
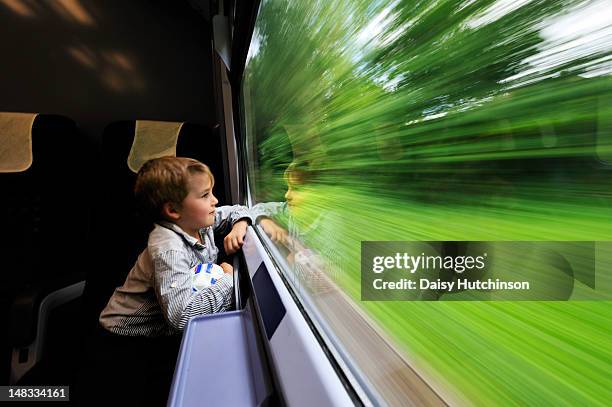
column 170, row 212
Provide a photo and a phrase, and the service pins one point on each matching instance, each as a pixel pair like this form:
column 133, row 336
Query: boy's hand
column 233, row 241
column 227, row 268
column 275, row 232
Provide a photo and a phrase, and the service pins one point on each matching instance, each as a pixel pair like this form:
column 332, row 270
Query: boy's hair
column 165, row 179
column 300, row 173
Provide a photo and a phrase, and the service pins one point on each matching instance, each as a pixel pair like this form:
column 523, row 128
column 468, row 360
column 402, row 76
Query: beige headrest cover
column 153, row 140
column 16, row 141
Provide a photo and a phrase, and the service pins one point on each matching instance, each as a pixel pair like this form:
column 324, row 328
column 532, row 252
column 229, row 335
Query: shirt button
column 173, row 285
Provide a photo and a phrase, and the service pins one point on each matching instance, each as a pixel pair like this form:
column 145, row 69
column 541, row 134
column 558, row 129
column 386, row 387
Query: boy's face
column 295, row 194
column 198, row 208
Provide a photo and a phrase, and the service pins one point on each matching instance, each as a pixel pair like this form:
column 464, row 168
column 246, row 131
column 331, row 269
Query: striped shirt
column 157, row 298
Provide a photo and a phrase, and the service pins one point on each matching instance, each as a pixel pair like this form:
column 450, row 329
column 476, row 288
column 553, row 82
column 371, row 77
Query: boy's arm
column 232, row 221
column 178, row 301
column 264, row 212
column 227, row 216
column 268, row 210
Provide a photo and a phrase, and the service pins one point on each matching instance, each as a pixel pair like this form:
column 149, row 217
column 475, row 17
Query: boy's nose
column 215, row 200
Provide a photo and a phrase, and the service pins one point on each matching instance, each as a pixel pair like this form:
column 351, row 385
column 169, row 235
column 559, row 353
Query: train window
column 435, row 121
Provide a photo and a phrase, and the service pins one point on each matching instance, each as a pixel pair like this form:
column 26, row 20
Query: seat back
column 121, row 230
column 204, row 144
column 44, row 214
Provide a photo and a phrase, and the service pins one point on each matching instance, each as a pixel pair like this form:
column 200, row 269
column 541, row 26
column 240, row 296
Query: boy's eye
column 206, row 195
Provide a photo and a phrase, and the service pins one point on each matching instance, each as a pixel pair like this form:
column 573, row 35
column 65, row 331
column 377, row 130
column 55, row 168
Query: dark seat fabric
column 131, row 371
column 204, row 144
column 45, row 204
column 45, row 218
column 119, row 231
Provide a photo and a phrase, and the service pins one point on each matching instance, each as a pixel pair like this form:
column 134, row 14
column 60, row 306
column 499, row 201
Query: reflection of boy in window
column 297, row 176
column 272, row 216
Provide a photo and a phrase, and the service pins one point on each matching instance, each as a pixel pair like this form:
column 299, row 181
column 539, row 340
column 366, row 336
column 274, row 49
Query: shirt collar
column 192, row 241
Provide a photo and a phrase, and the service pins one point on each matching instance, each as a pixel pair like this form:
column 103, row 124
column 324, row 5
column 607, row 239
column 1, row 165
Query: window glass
column 436, row 121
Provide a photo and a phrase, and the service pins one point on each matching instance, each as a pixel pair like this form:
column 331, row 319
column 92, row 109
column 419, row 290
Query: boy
column 157, row 297
column 135, row 352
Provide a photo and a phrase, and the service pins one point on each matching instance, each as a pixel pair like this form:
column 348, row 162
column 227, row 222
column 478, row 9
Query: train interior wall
column 101, row 61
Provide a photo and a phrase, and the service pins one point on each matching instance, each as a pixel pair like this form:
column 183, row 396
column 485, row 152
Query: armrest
column 38, row 299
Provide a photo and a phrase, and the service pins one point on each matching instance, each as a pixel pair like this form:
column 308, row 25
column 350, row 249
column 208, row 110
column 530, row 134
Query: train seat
column 121, row 231
column 45, row 218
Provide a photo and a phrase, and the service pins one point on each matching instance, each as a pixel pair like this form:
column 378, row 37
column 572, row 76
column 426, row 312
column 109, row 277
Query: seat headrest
column 153, row 139
column 16, row 141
